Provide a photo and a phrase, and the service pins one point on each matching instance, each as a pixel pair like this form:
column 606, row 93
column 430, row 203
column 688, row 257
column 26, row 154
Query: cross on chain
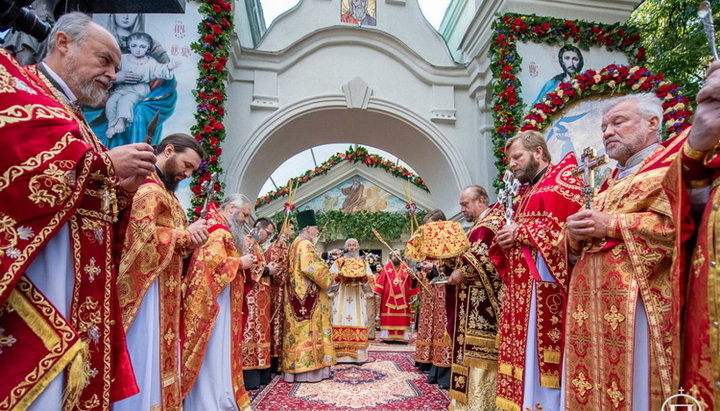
column 589, row 161
column 507, row 194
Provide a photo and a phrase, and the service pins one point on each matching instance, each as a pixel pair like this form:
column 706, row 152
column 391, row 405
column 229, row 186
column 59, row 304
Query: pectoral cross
column 507, row 194
column 589, row 161
column 208, row 191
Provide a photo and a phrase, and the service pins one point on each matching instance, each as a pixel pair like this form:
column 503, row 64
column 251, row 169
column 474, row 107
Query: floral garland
column 213, row 46
column 615, row 79
column 337, row 224
column 354, row 154
column 505, row 61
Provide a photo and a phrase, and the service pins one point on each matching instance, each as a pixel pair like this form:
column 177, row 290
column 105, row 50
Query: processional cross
column 589, row 161
column 507, row 194
column 208, row 191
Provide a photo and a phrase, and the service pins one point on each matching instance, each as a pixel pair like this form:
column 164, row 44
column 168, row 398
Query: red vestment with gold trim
column 54, row 171
column 635, row 263
column 540, row 213
column 701, row 339
column 474, row 309
column 278, row 253
column 214, row 266
column 394, row 287
column 256, row 312
column 154, row 242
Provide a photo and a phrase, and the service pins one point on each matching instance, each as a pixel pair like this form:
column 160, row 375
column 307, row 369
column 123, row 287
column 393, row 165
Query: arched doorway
column 322, row 121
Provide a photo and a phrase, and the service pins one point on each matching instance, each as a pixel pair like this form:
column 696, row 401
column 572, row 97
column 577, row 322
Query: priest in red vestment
column 534, row 270
column 257, row 306
column 59, row 197
column 278, row 253
column 473, row 303
column 625, row 295
column 701, row 175
column 394, row 285
column 212, row 366
column 155, row 238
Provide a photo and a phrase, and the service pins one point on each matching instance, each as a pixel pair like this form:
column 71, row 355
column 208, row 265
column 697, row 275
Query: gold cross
column 614, row 317
column 589, row 161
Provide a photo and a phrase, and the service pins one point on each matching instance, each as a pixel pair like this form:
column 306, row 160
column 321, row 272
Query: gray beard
column 238, row 234
column 353, row 255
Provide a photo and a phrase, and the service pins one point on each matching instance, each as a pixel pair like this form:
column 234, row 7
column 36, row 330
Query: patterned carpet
column 389, row 381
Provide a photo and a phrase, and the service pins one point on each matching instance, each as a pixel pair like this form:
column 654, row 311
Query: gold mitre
column 437, row 240
column 351, row 267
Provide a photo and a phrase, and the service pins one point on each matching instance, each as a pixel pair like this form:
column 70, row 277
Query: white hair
column 236, row 199
column 74, row 25
column 648, row 106
column 351, row 239
column 237, row 230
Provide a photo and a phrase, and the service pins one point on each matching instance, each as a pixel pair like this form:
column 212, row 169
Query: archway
column 321, row 121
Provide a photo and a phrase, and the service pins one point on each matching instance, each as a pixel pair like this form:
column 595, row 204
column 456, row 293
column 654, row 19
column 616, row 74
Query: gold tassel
column 78, row 373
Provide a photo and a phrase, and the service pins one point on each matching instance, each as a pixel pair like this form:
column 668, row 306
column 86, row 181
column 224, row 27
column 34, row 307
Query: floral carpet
column 388, row 381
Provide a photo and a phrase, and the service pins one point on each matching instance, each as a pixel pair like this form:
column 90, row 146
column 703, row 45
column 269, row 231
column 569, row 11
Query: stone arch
column 323, row 120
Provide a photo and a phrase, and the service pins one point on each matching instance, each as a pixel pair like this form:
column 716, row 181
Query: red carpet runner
column 389, row 381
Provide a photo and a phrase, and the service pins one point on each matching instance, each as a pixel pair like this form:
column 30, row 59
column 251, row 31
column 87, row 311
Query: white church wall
column 402, row 19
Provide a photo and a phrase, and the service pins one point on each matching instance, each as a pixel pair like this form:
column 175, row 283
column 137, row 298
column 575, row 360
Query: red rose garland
column 510, row 28
column 353, row 154
column 213, row 47
column 615, row 79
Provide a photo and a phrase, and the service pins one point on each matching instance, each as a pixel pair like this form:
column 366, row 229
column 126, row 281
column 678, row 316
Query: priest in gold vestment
column 212, row 357
column 154, row 240
column 349, row 307
column 624, row 302
column 308, row 351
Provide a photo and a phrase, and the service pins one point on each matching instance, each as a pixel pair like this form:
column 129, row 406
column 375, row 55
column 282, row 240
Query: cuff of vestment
column 613, row 229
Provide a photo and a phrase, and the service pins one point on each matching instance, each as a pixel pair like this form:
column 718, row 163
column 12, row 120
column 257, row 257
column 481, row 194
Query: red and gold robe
column 54, row 171
column 278, row 253
column 701, row 339
column 540, row 213
column 433, row 341
column 213, row 267
column 474, row 309
column 256, row 312
column 307, row 342
column 633, row 264
column 394, row 287
column 155, row 239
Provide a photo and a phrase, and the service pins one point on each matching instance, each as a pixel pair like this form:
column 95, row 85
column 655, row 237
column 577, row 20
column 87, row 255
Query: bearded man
column 535, row 272
column 257, row 308
column 308, row 351
column 349, row 312
column 624, row 301
column 155, row 240
column 212, row 365
column 59, row 197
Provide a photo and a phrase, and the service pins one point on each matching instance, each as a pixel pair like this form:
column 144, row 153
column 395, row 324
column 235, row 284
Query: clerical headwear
column 306, row 218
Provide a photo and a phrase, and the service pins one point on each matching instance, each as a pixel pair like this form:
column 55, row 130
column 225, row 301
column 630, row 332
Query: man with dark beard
column 535, row 271
column 60, row 194
column 155, row 239
column 212, row 331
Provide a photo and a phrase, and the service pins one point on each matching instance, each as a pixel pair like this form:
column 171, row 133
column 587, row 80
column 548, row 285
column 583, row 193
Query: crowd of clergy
column 561, row 295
